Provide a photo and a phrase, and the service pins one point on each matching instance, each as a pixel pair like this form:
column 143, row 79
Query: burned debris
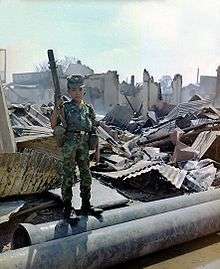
column 179, row 150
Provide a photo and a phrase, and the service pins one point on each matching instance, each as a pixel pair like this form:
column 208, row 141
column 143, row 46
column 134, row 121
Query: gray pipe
column 115, row 244
column 28, row 234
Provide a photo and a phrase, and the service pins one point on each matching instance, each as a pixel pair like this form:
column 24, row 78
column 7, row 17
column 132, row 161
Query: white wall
column 78, row 69
column 217, row 97
column 208, row 87
column 177, row 87
column 149, row 92
column 107, row 86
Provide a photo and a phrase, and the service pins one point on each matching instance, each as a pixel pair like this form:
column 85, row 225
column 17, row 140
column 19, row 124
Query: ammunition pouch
column 93, row 140
column 60, row 135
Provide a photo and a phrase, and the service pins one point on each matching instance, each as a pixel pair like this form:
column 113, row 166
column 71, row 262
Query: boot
column 68, row 210
column 87, row 208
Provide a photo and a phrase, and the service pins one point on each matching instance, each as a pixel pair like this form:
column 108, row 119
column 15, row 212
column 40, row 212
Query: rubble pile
column 165, row 156
column 179, row 151
column 29, row 119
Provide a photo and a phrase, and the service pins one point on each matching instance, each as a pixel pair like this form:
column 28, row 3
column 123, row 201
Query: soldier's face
column 76, row 94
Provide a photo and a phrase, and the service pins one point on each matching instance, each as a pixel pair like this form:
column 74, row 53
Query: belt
column 77, row 133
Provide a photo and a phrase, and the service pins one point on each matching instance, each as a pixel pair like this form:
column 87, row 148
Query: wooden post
column 7, row 143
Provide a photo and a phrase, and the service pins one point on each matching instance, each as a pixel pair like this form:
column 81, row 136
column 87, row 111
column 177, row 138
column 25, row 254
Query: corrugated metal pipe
column 28, row 234
column 118, row 243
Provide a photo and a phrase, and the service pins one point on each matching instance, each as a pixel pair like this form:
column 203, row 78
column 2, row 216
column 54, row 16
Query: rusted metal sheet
column 27, row 172
column 40, row 143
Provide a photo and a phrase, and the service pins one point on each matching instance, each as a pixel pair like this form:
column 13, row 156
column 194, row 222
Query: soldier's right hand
column 59, row 104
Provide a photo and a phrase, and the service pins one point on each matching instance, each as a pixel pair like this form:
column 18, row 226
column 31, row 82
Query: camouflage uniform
column 80, row 121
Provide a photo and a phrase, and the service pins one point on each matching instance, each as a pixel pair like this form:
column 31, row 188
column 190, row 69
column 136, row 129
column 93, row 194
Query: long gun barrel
column 57, row 91
column 53, row 68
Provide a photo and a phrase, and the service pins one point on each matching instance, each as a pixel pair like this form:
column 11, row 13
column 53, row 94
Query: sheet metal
column 27, row 172
column 101, row 196
column 185, row 108
column 8, row 208
column 203, row 141
column 201, row 179
column 175, row 175
column 171, row 173
column 139, row 166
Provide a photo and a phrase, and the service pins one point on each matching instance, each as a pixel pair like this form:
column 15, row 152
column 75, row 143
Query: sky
column 164, row 36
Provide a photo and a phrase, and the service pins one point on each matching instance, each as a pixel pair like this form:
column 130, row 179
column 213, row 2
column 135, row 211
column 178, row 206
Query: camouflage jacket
column 79, row 117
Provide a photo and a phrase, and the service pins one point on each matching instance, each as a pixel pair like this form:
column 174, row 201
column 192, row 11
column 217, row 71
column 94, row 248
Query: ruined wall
column 208, row 87
column 176, row 89
column 132, row 93
column 3, row 65
column 31, row 87
column 154, row 92
column 217, row 97
column 34, row 95
column 188, row 92
column 111, row 90
column 149, row 92
column 102, row 91
column 94, row 92
column 78, row 69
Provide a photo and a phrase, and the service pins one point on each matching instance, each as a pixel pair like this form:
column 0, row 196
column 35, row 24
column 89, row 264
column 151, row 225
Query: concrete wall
column 208, row 87
column 132, row 93
column 188, row 92
column 94, row 92
column 176, row 87
column 42, row 79
column 149, row 92
column 32, row 95
column 31, row 87
column 102, row 90
column 217, row 92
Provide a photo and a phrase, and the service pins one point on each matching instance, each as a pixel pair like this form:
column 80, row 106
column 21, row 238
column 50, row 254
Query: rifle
column 57, row 91
column 59, row 131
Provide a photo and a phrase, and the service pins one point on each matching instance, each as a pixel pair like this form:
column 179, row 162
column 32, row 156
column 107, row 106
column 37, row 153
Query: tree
column 63, row 62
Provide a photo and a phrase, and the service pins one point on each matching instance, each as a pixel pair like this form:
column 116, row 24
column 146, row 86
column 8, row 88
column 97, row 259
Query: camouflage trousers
column 76, row 151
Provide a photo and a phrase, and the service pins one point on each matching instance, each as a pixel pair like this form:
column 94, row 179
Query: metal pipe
column 28, row 234
column 118, row 243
